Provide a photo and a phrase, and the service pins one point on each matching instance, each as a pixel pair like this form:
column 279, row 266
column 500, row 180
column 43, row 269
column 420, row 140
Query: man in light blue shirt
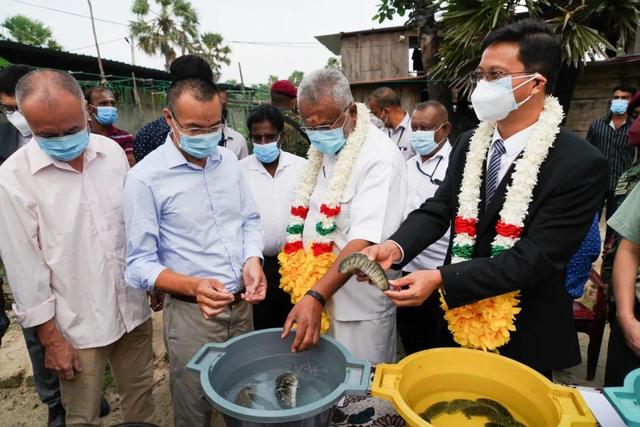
column 194, row 232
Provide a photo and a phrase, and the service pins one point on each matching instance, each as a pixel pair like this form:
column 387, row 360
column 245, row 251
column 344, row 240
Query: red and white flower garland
column 486, row 324
column 300, row 269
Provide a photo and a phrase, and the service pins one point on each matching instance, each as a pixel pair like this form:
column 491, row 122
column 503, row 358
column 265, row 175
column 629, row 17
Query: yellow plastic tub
column 444, row 374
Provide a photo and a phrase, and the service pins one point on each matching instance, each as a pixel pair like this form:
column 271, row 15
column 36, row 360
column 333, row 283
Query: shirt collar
column 40, row 160
column 443, row 153
column 283, row 163
column 404, row 124
column 516, row 142
column 175, row 158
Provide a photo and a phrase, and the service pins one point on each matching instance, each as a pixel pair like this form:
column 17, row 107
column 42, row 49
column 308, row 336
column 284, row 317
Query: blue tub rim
column 357, row 381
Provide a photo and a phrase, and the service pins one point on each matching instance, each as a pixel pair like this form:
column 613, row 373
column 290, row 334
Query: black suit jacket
column 570, row 190
column 8, row 140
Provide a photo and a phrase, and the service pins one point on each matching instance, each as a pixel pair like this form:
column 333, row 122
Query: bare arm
column 625, row 271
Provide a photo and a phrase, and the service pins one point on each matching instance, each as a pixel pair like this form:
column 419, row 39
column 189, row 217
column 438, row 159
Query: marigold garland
column 300, row 269
column 487, row 324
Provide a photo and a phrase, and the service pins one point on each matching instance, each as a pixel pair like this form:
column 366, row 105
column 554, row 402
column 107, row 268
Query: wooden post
column 136, row 97
column 103, row 79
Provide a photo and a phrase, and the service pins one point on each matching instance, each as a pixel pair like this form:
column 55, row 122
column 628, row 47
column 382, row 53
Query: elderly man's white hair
column 44, row 83
column 326, row 82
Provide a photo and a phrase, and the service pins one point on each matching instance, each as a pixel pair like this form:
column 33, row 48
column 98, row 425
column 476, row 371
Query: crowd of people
column 100, row 228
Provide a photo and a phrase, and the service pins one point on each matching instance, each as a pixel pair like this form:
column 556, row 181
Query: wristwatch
column 317, row 296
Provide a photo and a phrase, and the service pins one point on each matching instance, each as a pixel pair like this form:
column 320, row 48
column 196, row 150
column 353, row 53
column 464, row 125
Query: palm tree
column 296, row 77
column 29, row 31
column 175, row 26
column 455, row 30
column 214, row 52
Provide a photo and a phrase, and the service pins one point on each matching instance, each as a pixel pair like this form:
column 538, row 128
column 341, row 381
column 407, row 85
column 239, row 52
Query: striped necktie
column 494, row 169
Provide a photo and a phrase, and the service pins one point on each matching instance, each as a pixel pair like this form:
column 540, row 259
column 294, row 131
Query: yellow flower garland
column 299, row 271
column 485, row 324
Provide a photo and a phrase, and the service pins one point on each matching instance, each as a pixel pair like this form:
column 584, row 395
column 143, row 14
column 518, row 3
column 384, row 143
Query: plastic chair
column 592, row 321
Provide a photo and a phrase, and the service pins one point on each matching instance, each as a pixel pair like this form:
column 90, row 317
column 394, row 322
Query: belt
column 236, row 298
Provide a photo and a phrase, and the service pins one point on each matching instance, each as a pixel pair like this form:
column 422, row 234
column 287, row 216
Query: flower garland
column 486, row 324
column 301, row 269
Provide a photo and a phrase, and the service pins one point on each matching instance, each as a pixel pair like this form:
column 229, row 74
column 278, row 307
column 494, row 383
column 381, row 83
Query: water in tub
column 278, row 382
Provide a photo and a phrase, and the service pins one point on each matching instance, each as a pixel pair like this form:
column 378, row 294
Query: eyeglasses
column 197, row 131
column 8, row 109
column 327, row 127
column 265, row 139
column 490, row 76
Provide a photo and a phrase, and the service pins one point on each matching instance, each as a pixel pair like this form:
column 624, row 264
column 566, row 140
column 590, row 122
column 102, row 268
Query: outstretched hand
column 421, row 284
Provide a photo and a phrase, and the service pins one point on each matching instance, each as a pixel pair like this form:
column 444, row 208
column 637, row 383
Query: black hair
column 266, row 112
column 10, row 76
column 88, row 93
column 625, row 88
column 442, row 110
column 385, row 97
column 539, row 48
column 202, row 90
column 190, row 67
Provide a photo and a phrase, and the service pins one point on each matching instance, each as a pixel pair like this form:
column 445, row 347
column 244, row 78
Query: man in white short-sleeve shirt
column 371, row 208
column 425, row 171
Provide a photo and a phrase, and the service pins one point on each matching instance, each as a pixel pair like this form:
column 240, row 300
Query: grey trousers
column 185, row 331
column 47, row 385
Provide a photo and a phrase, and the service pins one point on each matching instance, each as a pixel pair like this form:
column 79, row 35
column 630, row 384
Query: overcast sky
column 291, row 21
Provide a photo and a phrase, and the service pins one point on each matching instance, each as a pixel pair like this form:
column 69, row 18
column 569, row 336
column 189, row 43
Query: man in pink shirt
column 63, row 247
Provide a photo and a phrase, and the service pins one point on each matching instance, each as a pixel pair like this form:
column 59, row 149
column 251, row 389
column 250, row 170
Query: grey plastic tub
column 216, row 363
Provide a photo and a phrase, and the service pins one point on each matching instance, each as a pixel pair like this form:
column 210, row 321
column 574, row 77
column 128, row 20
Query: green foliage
column 588, row 28
column 334, row 63
column 23, row 29
column 296, row 77
column 175, row 26
column 211, row 48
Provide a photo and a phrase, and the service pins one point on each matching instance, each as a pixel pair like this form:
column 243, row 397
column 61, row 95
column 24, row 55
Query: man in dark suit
column 570, row 189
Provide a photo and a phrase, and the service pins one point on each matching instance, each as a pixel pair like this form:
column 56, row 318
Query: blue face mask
column 619, row 106
column 106, row 116
column 327, row 141
column 64, row 148
column 423, row 141
column 200, row 146
column 266, row 153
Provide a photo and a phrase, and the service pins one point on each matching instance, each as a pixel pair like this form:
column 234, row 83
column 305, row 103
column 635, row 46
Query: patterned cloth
column 366, row 410
column 293, row 139
column 614, row 146
column 579, row 266
column 151, row 136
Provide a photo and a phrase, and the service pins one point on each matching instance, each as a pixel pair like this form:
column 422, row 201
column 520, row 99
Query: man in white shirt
column 63, row 247
column 425, row 172
column 385, row 104
column 272, row 175
column 371, row 207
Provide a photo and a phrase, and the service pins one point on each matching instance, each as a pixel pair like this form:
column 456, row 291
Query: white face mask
column 493, row 101
column 19, row 122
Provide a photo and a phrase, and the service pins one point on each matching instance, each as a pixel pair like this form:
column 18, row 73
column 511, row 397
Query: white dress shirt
column 401, row 135
column 371, row 209
column 22, row 140
column 235, row 142
column 513, row 147
column 63, row 243
column 423, row 178
column 273, row 196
